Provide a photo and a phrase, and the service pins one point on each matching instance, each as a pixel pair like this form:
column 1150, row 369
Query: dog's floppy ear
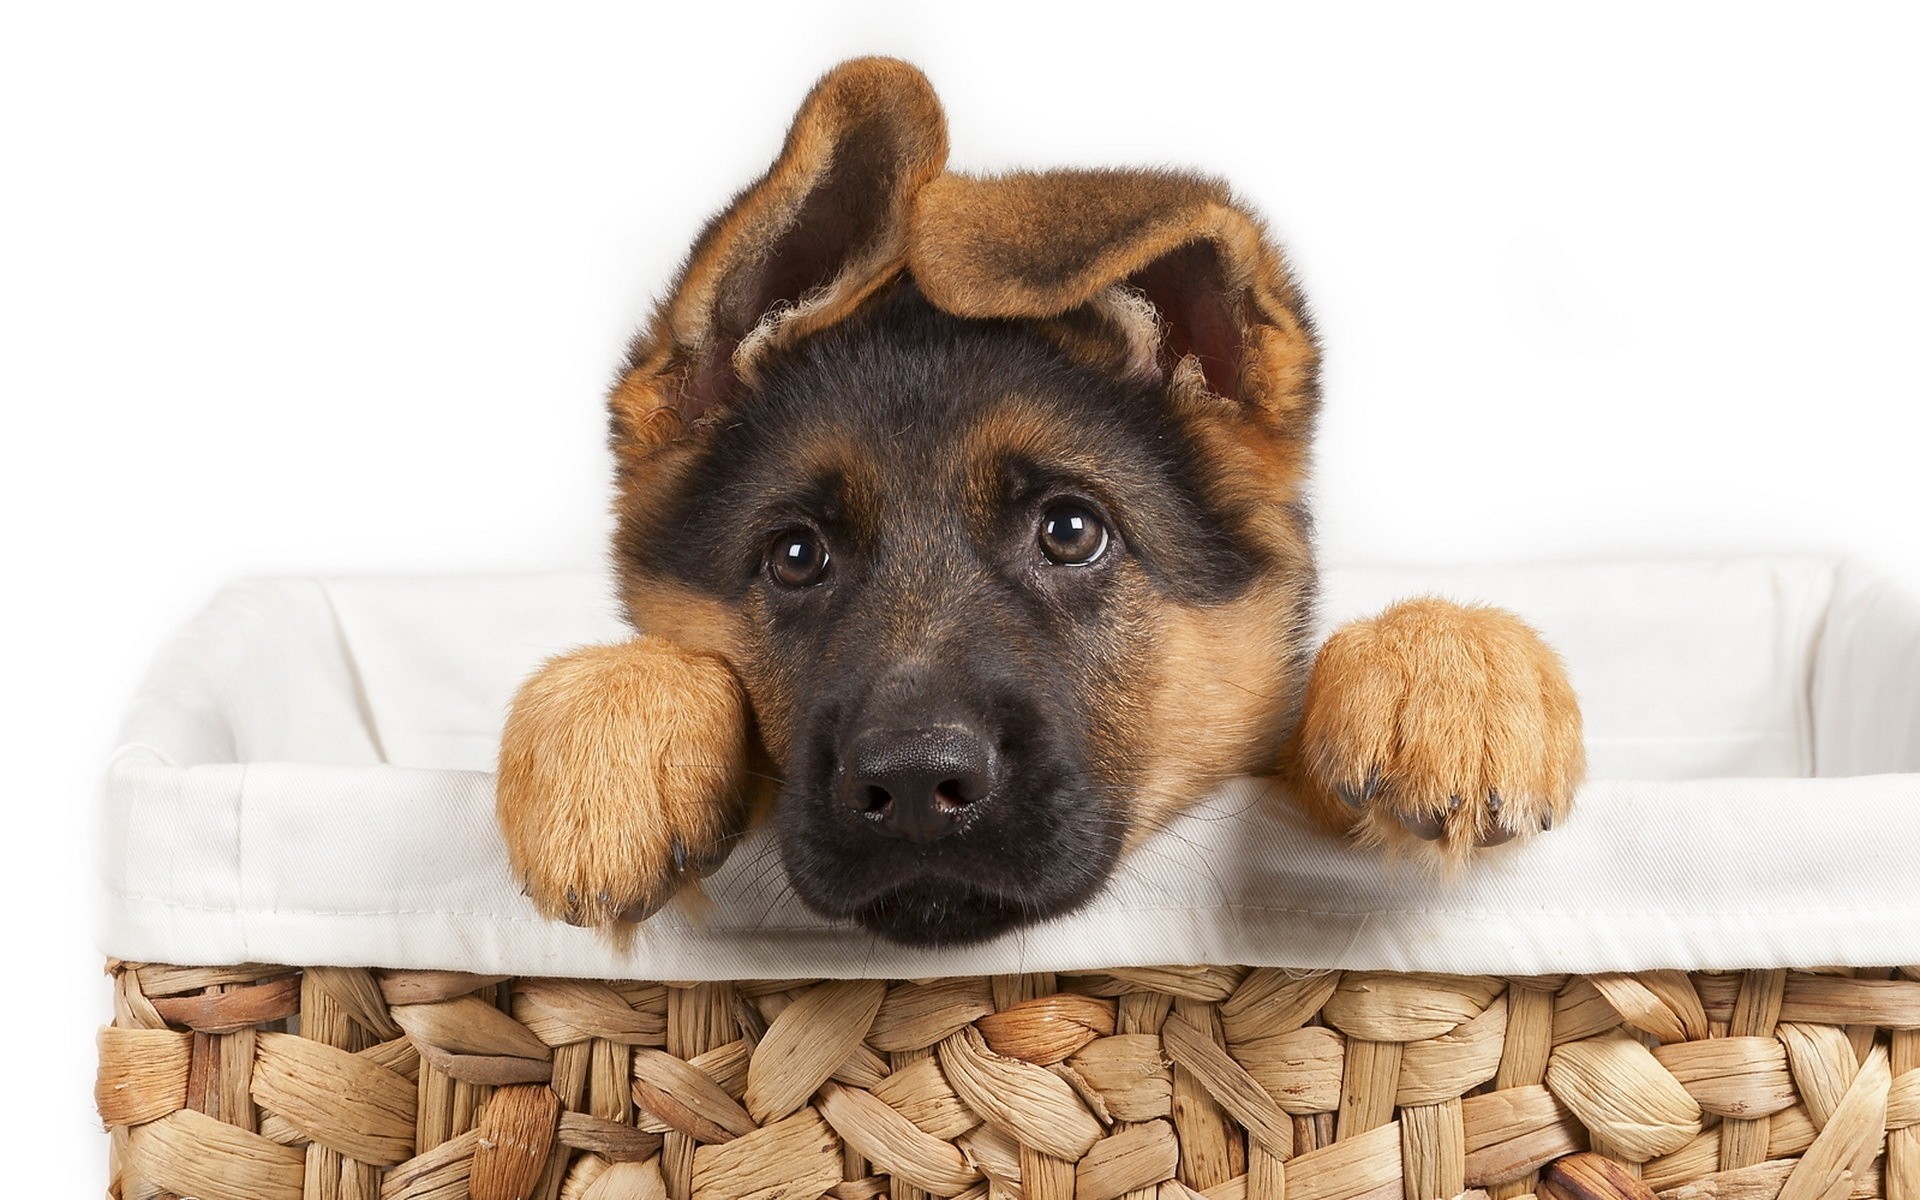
column 1074, row 245
column 795, row 251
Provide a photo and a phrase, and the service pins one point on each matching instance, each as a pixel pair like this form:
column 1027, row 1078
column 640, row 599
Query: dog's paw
column 1439, row 728
column 620, row 778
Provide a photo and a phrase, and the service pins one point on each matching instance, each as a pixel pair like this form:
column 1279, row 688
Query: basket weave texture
column 278, row 1083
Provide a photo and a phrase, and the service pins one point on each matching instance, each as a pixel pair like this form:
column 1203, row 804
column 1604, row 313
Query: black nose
column 917, row 784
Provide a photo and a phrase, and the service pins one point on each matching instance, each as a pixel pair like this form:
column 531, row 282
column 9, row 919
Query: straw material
column 326, row 1083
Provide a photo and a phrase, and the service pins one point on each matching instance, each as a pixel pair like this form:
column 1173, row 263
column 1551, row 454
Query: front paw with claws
column 621, row 771
column 1439, row 728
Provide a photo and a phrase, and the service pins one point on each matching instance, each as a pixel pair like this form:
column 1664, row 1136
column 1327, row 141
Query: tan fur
column 686, row 620
column 1260, row 465
column 1013, row 430
column 1227, row 692
column 1430, row 701
column 1032, row 244
column 618, row 764
column 1040, row 244
column 1222, row 701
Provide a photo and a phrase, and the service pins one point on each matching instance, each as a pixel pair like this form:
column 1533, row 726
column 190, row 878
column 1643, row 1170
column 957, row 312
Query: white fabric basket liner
column 305, row 779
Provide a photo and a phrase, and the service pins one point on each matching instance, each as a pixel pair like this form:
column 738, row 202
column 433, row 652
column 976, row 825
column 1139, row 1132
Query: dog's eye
column 797, row 559
column 1071, row 534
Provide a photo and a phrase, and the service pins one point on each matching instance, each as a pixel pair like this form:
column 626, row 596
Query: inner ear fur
column 1058, row 246
column 796, row 251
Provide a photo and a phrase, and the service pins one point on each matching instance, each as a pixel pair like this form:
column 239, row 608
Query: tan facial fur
column 1226, row 687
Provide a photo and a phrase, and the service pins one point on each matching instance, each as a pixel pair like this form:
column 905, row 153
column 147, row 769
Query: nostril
column 920, row 783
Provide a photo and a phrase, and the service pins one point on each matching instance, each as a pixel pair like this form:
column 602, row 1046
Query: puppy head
column 989, row 491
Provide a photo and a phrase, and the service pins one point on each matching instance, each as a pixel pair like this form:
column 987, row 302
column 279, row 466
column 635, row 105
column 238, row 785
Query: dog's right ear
column 1169, row 258
column 794, row 252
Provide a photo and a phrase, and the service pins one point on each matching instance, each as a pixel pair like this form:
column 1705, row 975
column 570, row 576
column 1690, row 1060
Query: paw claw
column 1429, row 827
column 1358, row 798
column 640, row 910
column 1493, row 802
column 1546, row 822
column 710, row 862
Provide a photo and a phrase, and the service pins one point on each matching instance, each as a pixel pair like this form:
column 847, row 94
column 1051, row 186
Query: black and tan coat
column 904, row 373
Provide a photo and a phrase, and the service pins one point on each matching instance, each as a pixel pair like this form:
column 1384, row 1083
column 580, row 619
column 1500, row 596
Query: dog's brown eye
column 1071, row 534
column 797, row 559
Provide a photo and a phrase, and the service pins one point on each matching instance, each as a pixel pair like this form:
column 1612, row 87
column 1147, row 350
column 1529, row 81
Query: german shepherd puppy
column 971, row 511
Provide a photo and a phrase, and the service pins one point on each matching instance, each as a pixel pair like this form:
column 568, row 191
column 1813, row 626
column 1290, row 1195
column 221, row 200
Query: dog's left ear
column 796, row 251
column 1082, row 248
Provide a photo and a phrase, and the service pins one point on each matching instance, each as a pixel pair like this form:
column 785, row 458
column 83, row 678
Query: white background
column 339, row 288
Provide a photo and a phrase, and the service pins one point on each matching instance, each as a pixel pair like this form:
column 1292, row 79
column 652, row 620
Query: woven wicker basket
column 258, row 1083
